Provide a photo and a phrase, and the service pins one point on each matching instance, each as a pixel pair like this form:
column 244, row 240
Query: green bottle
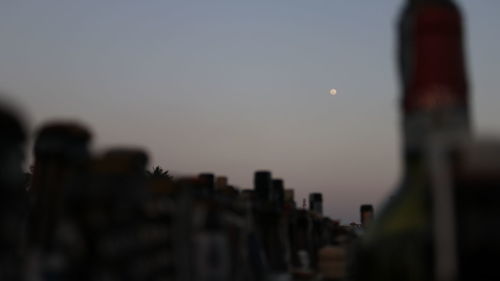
column 400, row 243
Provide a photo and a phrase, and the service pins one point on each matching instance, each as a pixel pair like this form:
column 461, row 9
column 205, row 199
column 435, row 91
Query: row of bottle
column 78, row 216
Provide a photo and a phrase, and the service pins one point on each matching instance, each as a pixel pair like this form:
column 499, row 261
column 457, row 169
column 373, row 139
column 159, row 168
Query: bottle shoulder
column 409, row 210
column 398, row 244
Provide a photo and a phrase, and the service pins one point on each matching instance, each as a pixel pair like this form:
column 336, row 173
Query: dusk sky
column 230, row 86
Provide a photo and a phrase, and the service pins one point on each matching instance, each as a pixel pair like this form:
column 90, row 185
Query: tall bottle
column 60, row 149
column 270, row 223
column 221, row 182
column 366, row 215
column 477, row 201
column 122, row 244
column 435, row 109
column 208, row 183
column 280, row 253
column 262, row 186
column 316, row 203
column 290, row 199
column 13, row 201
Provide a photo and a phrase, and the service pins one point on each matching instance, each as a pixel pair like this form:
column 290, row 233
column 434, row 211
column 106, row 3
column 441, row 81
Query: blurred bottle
column 211, row 241
column 13, row 200
column 291, row 216
column 224, row 190
column 400, row 243
column 302, row 246
column 254, row 254
column 290, row 199
column 271, row 224
column 280, row 252
column 207, row 183
column 366, row 212
column 316, row 214
column 316, row 203
column 61, row 151
column 264, row 217
column 277, row 194
column 121, row 243
column 213, row 255
column 159, row 230
column 477, row 197
column 262, row 186
column 220, row 182
column 435, row 97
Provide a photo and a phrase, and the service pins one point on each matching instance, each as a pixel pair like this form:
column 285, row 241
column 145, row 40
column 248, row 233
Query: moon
column 333, row 92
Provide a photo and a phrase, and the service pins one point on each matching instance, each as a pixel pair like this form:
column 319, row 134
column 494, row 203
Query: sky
column 230, row 86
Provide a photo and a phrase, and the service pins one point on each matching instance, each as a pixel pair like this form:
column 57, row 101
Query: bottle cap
column 207, row 179
column 62, row 140
column 262, row 184
column 220, row 182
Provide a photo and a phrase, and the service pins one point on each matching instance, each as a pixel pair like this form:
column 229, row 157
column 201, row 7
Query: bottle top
column 66, row 140
column 117, row 178
column 316, row 203
column 12, row 137
column 262, row 183
column 289, row 195
column 278, row 193
column 207, row 179
column 315, row 197
column 366, row 208
column 220, row 182
column 262, row 178
column 278, row 184
column 123, row 160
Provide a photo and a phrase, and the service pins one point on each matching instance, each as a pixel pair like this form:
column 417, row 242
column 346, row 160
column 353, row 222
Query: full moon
column 333, row 92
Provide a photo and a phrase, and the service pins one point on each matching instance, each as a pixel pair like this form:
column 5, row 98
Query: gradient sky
column 233, row 86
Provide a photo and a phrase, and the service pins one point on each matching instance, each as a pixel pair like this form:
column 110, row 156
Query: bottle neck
column 450, row 126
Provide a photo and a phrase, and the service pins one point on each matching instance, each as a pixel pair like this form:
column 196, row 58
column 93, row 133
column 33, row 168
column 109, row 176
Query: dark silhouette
column 13, row 199
column 158, row 173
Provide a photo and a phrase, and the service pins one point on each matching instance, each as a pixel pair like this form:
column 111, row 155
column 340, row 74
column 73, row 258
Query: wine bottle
column 207, row 183
column 123, row 243
column 366, row 213
column 401, row 242
column 61, row 151
column 477, row 203
column 13, row 199
column 316, row 203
